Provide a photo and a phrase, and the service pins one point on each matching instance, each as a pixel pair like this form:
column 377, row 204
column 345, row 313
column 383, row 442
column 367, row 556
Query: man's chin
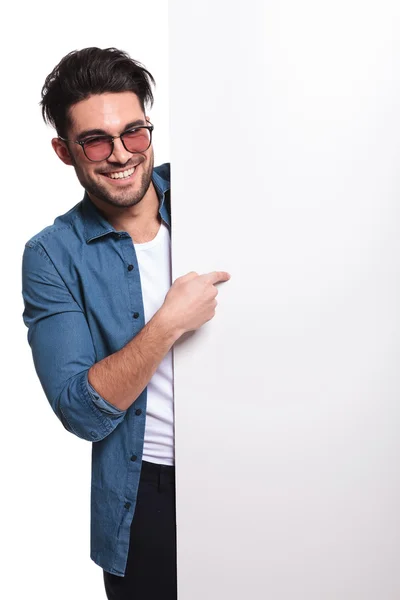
column 119, row 195
column 119, row 201
column 127, row 203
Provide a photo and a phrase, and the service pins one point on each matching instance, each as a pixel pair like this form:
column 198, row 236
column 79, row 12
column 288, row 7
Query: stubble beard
column 120, row 198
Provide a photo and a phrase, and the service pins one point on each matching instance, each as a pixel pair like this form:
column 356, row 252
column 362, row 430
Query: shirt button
column 133, row 457
column 135, row 315
column 127, row 505
column 138, row 411
column 130, row 267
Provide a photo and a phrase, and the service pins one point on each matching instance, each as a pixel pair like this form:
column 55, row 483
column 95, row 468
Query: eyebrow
column 91, row 132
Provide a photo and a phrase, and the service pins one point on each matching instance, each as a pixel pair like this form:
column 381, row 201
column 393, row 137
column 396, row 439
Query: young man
column 103, row 316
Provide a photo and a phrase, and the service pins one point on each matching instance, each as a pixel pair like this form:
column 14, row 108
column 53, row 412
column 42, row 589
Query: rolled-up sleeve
column 62, row 349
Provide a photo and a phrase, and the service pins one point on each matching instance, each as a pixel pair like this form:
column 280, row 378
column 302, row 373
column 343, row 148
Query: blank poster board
column 285, row 150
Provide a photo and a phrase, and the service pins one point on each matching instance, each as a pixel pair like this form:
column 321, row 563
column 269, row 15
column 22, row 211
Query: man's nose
column 119, row 154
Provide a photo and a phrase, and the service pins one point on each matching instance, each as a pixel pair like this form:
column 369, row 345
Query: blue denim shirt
column 83, row 302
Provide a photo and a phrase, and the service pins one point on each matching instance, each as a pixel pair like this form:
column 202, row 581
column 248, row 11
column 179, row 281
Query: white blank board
column 285, row 149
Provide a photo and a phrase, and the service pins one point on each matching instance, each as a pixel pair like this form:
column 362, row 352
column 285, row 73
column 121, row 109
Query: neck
column 140, row 217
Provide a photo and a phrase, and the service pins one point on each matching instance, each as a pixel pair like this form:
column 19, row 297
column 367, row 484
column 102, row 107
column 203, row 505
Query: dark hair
column 82, row 73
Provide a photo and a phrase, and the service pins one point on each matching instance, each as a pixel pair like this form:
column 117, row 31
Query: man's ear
column 61, row 149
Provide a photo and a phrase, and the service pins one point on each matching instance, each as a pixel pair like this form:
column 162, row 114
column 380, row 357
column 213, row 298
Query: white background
column 286, row 174
column 45, row 491
column 287, row 403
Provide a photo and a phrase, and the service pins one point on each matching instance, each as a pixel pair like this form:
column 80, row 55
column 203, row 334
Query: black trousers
column 151, row 568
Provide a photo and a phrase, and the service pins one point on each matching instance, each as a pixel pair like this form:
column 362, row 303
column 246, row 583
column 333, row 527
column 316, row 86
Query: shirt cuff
column 101, row 403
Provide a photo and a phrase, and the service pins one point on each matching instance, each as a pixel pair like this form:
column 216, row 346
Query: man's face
column 108, row 114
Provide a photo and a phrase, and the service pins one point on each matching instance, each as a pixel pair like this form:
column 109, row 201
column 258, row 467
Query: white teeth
column 122, row 175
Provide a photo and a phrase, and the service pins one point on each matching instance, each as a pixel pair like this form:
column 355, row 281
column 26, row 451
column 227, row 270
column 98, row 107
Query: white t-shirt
column 154, row 259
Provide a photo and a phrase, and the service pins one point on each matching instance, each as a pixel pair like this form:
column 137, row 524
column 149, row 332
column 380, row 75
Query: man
column 103, row 316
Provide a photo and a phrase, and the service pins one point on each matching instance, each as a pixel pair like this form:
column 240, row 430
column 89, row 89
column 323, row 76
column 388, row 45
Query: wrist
column 167, row 325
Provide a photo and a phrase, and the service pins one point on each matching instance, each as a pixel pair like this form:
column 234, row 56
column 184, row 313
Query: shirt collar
column 97, row 226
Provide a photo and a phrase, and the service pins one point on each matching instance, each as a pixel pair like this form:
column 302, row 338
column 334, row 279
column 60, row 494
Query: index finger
column 216, row 276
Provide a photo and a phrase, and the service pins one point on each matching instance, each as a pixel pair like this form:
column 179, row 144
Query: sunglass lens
column 137, row 140
column 98, row 149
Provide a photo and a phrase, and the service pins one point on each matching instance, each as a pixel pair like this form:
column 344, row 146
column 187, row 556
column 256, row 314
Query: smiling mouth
column 120, row 174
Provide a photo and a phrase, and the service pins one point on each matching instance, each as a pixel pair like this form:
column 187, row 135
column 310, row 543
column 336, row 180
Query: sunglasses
column 100, row 147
